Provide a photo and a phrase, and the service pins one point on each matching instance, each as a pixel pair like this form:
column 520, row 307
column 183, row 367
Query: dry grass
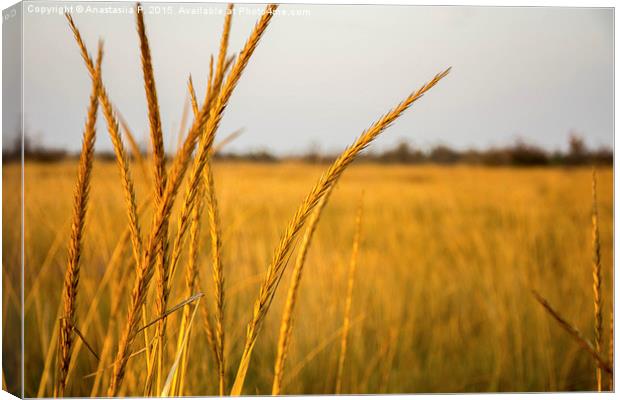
column 575, row 333
column 218, row 273
column 596, row 281
column 159, row 173
column 286, row 326
column 208, row 118
column 117, row 142
column 80, row 201
column 436, row 268
column 327, row 180
column 416, row 252
column 346, row 325
column 593, row 349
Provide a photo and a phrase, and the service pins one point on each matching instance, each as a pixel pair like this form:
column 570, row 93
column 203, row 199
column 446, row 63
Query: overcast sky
column 320, row 78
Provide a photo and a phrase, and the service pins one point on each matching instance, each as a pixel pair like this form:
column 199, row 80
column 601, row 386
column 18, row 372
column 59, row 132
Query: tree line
column 519, row 153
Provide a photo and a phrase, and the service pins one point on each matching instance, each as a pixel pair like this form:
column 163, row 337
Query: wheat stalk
column 157, row 141
column 206, row 123
column 159, row 168
column 207, row 319
column 210, row 116
column 191, row 272
column 80, row 204
column 596, row 281
column 117, row 142
column 162, row 214
column 286, row 325
column 217, row 147
column 186, row 210
column 330, row 177
column 212, row 210
column 143, row 275
column 574, row 332
column 218, row 275
column 349, row 298
column 209, row 331
column 191, row 275
column 114, row 261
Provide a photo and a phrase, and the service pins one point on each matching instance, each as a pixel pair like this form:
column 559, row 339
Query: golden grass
column 159, row 172
column 596, row 282
column 390, row 351
column 80, row 201
column 593, row 349
column 117, row 142
column 442, row 257
column 327, row 180
column 212, row 210
column 191, row 279
column 209, row 118
column 347, row 307
column 286, row 326
column 575, row 333
column 218, row 273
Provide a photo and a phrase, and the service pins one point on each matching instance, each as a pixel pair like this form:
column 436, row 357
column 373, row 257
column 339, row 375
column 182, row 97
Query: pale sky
column 321, row 78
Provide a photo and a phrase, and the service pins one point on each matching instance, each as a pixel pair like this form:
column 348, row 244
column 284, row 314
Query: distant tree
column 526, row 154
column 496, row 156
column 444, row 155
column 313, row 154
column 603, row 155
column 402, row 153
column 577, row 150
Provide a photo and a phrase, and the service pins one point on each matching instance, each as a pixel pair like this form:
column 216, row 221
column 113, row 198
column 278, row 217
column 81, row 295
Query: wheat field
column 442, row 298
column 174, row 273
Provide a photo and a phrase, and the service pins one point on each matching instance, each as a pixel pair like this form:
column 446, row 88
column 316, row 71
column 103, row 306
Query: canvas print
column 210, row 199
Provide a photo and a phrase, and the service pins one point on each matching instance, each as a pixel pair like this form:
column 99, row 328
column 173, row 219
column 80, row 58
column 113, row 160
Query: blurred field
column 442, row 299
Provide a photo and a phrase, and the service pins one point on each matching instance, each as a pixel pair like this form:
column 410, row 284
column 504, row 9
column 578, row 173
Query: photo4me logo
column 9, row 14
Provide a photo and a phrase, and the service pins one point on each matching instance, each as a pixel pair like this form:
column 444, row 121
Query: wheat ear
column 191, row 274
column 221, row 58
column 186, row 210
column 574, row 332
column 330, row 177
column 206, row 124
column 212, row 211
column 286, row 325
column 117, row 142
column 80, row 204
column 347, row 307
column 205, row 309
column 209, row 120
column 596, row 281
column 159, row 168
column 191, row 271
column 138, row 293
column 218, row 276
column 218, row 273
